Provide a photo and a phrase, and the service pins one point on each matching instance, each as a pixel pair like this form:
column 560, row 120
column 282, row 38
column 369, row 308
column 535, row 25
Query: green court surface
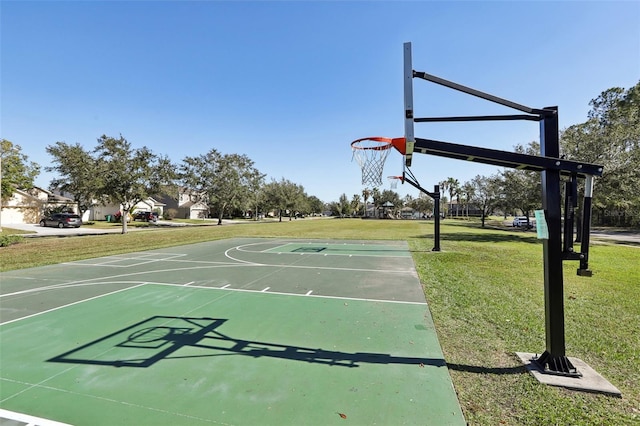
column 233, row 332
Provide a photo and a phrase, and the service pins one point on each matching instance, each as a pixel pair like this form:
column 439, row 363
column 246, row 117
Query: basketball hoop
column 371, row 153
column 393, row 181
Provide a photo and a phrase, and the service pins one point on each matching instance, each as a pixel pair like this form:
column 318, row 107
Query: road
column 39, row 231
column 632, row 237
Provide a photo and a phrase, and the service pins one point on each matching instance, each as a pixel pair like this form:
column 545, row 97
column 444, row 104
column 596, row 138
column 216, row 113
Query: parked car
column 523, row 221
column 145, row 216
column 62, row 220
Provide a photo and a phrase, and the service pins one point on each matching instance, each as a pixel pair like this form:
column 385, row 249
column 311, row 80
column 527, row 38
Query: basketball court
column 231, row 332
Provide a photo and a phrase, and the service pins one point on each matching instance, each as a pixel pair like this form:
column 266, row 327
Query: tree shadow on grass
column 479, row 237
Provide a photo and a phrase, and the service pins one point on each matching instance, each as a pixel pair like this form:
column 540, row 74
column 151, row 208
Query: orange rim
column 386, row 141
column 397, row 143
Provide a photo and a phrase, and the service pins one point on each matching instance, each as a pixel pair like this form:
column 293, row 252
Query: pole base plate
column 588, row 381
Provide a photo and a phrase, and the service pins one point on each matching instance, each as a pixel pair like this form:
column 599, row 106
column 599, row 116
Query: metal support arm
column 508, row 159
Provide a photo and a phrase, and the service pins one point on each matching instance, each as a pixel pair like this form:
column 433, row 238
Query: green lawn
column 485, row 291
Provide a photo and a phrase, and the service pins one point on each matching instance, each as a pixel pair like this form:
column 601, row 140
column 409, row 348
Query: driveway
column 39, row 231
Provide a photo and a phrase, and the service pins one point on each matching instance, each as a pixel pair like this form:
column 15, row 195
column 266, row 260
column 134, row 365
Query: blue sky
column 292, row 83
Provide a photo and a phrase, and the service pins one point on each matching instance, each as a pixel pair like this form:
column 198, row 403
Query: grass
column 485, row 292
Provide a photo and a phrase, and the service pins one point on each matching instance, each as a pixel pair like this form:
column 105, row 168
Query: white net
column 371, row 155
column 393, row 182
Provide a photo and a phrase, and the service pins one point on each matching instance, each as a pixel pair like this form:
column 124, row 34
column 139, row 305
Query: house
column 30, row 205
column 190, row 204
column 101, row 211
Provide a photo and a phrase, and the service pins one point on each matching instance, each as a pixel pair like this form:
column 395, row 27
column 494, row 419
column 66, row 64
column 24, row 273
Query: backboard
column 409, row 135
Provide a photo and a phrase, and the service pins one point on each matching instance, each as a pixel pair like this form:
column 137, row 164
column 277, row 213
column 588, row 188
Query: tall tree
column 294, row 197
column 17, row 172
column 315, row 205
column 523, row 189
column 390, row 196
column 274, row 198
column 423, row 204
column 466, row 190
column 452, row 186
column 127, row 176
column 77, row 173
column 227, row 180
column 611, row 137
column 375, row 196
column 285, row 196
column 355, row 204
column 343, row 205
column 255, row 186
column 487, row 193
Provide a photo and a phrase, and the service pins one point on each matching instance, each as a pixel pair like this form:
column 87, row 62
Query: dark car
column 62, row 220
column 146, row 216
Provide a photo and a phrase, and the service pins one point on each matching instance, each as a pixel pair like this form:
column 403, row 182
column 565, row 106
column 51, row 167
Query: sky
column 291, row 83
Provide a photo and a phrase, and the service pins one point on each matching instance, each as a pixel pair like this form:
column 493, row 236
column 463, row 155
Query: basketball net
column 371, row 153
column 393, row 181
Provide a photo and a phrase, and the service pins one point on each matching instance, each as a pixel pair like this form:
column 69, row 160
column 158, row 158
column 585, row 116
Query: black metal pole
column 435, row 195
column 552, row 247
column 586, row 226
column 553, row 360
column 436, row 218
column 570, row 190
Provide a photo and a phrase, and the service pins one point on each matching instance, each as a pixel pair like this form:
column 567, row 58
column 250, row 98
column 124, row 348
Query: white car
column 521, row 221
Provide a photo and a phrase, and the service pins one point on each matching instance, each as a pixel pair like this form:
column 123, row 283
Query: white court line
column 225, row 286
column 30, row 420
column 141, row 257
column 189, row 283
column 309, row 293
column 108, row 279
column 278, row 293
column 264, row 290
column 70, row 304
column 241, row 248
column 381, row 271
column 267, row 250
column 124, row 403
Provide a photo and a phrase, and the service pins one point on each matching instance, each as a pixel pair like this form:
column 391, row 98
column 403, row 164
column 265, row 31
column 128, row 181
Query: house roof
column 51, row 197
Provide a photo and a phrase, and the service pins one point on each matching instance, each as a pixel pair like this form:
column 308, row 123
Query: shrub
column 7, row 240
column 170, row 214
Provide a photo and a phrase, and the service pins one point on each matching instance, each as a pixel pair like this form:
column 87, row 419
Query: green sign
column 541, row 225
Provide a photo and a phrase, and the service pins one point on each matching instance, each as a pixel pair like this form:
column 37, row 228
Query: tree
column 389, row 196
column 355, row 204
column 452, row 186
column 285, row 196
column 77, row 173
column 17, row 172
column 227, row 180
column 487, row 193
column 466, row 190
column 522, row 190
column 611, row 137
column 315, row 205
column 423, row 204
column 127, row 176
column 366, row 193
column 375, row 195
column 255, row 182
column 274, row 197
column 343, row 205
column 294, row 196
